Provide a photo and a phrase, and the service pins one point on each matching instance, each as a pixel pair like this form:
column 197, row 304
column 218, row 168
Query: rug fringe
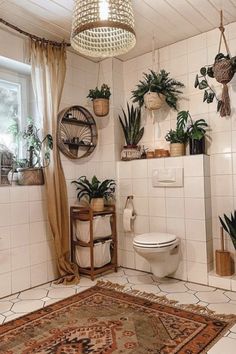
column 194, row 308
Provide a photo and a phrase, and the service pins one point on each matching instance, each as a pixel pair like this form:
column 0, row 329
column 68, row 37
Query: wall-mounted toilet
column 161, row 250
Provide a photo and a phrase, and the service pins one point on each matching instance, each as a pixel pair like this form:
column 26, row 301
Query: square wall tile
column 5, row 238
column 5, row 284
column 181, row 272
column 157, row 224
column 154, row 164
column 139, row 168
column 176, row 226
column 141, row 224
column 196, row 230
column 52, row 271
column 19, row 194
column 38, row 232
column 157, row 207
column 124, row 169
column 125, row 187
column 141, row 205
column 4, row 195
column 195, row 208
column 38, row 274
column 196, row 251
column 19, row 213
column 127, row 259
column 5, row 215
column 193, row 166
column 197, row 272
column 20, row 235
column 141, row 263
column 37, row 211
column 222, row 185
column 20, row 279
column 174, row 162
column 20, row 258
column 5, row 261
column 38, row 253
column 194, row 187
column 140, row 187
column 175, row 207
column 219, row 282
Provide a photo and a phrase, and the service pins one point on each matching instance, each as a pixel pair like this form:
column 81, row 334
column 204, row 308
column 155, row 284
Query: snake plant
column 131, row 125
column 229, row 225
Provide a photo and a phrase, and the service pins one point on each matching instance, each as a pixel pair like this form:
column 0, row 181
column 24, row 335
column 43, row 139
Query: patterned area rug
column 107, row 319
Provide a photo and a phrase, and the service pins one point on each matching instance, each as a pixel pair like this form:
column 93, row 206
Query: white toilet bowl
column 160, row 250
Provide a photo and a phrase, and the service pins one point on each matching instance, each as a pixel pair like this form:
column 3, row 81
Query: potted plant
column 229, row 225
column 95, row 191
column 155, row 88
column 100, row 98
column 177, row 139
column 195, row 130
column 30, row 169
column 131, row 126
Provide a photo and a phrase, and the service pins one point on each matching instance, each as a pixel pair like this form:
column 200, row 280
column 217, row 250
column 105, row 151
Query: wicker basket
column 30, row 176
column 177, row 149
column 101, row 107
column 153, row 100
column 97, row 204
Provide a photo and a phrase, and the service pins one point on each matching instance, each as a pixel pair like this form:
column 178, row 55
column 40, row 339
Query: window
column 14, row 101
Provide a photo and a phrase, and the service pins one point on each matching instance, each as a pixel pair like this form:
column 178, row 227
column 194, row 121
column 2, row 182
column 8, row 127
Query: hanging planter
column 153, row 100
column 222, row 70
column 101, row 107
column 100, row 98
column 157, row 88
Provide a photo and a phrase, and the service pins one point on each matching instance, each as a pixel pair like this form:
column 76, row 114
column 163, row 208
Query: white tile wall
column 175, row 210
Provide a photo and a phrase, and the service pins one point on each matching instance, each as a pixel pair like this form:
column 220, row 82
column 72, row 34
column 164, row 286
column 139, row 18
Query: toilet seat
column 154, row 240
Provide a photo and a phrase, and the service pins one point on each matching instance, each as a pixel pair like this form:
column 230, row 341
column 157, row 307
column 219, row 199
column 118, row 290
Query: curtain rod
column 32, row 36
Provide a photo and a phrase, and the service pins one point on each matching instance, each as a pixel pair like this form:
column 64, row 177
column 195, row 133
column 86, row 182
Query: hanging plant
column 222, row 70
column 155, row 88
column 100, row 98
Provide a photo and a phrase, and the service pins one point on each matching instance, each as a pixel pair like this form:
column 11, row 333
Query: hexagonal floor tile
column 2, row 318
column 173, row 288
column 82, row 288
column 33, row 294
column 183, row 298
column 199, row 287
column 27, row 306
column 5, row 306
column 61, row 293
column 224, row 345
column 147, row 288
column 133, row 272
column 14, row 316
column 212, row 297
column 228, row 308
column 87, row 282
column 231, row 295
column 140, row 279
column 116, row 280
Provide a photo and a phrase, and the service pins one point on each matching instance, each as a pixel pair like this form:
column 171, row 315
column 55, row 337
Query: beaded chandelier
column 103, row 28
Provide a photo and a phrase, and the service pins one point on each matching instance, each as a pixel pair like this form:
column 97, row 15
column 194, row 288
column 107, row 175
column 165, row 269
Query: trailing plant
column 195, row 129
column 95, row 188
column 38, row 150
column 131, row 125
column 103, row 92
column 229, row 225
column 160, row 83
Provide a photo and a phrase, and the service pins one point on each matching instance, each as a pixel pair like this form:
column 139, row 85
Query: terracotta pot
column 30, row 176
column 153, row 100
column 101, row 107
column 177, row 149
column 97, row 204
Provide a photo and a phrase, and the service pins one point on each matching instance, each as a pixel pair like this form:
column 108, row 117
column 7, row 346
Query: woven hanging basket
column 223, row 73
column 153, row 100
column 101, row 107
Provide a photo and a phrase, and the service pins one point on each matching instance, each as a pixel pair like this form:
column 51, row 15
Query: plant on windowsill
column 196, row 131
column 155, row 88
column 30, row 169
column 100, row 98
column 133, row 133
column 95, row 192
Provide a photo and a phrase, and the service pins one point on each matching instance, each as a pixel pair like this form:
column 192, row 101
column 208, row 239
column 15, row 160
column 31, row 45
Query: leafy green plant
column 159, row 83
column 176, row 136
column 103, row 92
column 229, row 225
column 131, row 125
column 95, row 188
column 195, row 130
column 38, row 150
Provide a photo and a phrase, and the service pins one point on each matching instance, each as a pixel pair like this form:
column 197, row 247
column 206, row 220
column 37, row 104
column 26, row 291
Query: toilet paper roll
column 127, row 219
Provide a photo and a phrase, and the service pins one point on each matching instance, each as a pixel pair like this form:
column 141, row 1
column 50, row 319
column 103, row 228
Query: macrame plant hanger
column 223, row 71
column 154, row 68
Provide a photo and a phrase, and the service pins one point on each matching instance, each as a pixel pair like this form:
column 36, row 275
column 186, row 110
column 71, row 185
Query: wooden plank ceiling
column 168, row 21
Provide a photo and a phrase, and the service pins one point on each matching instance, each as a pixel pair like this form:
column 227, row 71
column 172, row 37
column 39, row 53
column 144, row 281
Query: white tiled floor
column 221, row 301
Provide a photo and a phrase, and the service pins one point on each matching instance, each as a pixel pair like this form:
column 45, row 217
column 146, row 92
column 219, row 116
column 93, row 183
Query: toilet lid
column 155, row 239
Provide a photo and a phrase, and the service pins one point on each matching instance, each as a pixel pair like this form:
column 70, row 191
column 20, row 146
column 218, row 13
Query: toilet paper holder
column 129, row 199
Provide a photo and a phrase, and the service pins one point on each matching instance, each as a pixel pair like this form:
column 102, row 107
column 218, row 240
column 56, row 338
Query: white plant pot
column 153, row 100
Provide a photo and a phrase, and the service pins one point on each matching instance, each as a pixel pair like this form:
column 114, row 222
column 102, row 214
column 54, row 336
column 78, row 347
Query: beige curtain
column 48, row 74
